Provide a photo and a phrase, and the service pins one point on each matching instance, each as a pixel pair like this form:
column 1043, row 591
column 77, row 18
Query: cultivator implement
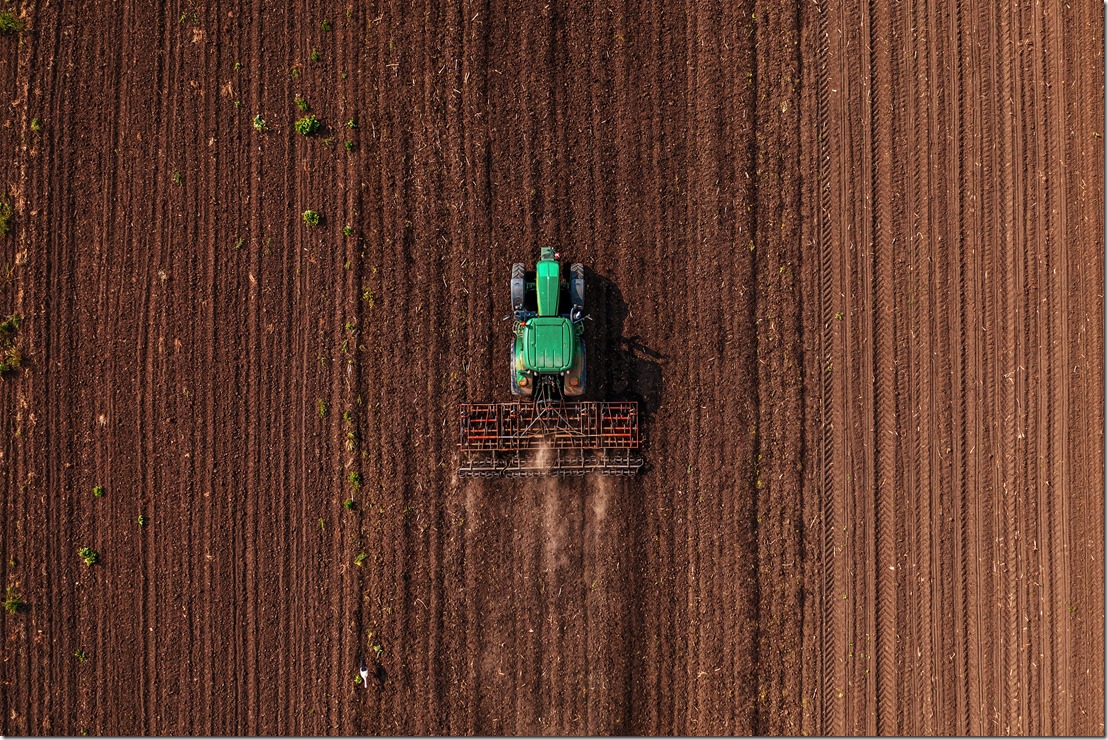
column 556, row 438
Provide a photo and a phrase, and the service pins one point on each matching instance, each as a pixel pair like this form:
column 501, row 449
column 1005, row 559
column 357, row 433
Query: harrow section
column 556, row 439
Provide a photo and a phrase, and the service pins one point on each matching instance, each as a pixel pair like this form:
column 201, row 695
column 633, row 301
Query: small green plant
column 9, row 23
column 303, row 104
column 238, row 65
column 352, row 123
column 367, row 296
column 80, row 655
column 178, row 179
column 348, row 231
column 10, row 358
column 239, row 243
column 307, row 126
column 141, row 520
column 312, row 218
column 358, row 680
column 13, row 602
column 326, row 25
column 295, row 73
column 348, row 504
column 321, row 407
column 328, row 141
column 350, row 325
column 6, row 214
column 355, row 479
column 90, row 556
column 259, row 123
column 36, row 125
column 98, row 491
column 314, row 56
column 359, row 559
column 348, row 416
column 238, row 103
column 350, row 146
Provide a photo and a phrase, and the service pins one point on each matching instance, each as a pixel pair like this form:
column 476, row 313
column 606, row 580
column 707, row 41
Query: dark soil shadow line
column 620, row 368
column 623, row 368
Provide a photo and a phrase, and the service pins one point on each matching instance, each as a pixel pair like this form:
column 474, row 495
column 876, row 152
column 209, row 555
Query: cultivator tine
column 549, row 439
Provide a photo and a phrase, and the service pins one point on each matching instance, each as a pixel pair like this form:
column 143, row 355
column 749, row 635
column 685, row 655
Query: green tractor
column 548, row 350
column 549, row 430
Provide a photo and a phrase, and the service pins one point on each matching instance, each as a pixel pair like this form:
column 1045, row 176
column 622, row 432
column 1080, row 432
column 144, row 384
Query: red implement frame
column 564, row 438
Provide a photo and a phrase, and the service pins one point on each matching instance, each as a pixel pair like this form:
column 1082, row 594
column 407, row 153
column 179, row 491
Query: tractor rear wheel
column 513, row 384
column 517, row 286
column 577, row 285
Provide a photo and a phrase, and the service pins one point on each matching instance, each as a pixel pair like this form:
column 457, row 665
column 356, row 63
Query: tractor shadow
column 620, row 368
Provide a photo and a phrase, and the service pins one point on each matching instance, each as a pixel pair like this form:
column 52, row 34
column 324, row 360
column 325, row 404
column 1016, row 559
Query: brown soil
column 846, row 258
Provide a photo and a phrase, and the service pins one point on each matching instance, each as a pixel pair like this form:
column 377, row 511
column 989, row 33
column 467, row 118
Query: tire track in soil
column 819, row 704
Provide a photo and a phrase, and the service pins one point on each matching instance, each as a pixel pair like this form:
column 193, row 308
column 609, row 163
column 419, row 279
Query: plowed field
column 847, row 258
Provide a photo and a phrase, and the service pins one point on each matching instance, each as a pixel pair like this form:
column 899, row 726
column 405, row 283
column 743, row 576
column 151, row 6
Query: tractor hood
column 547, row 284
column 548, row 344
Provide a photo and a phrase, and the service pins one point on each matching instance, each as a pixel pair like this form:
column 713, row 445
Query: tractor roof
column 548, row 344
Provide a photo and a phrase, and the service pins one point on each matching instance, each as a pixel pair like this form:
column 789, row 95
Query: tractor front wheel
column 577, row 285
column 517, row 286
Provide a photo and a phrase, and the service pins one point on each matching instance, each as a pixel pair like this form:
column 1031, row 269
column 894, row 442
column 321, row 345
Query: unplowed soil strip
column 961, row 156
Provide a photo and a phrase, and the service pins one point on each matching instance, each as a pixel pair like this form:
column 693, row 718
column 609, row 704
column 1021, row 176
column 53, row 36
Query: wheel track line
column 992, row 237
column 963, row 640
column 206, row 434
column 938, row 392
column 248, row 699
column 1023, row 471
column 1008, row 701
column 475, row 61
column 1088, row 699
column 935, row 399
column 844, row 504
column 1061, row 550
column 921, row 685
column 830, row 719
column 286, row 395
column 1038, row 406
column 884, row 362
column 1058, row 575
column 684, row 703
column 350, row 648
column 19, row 453
column 53, row 663
column 454, row 551
column 149, row 399
column 978, row 398
column 289, row 431
column 1041, row 711
column 1010, row 524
